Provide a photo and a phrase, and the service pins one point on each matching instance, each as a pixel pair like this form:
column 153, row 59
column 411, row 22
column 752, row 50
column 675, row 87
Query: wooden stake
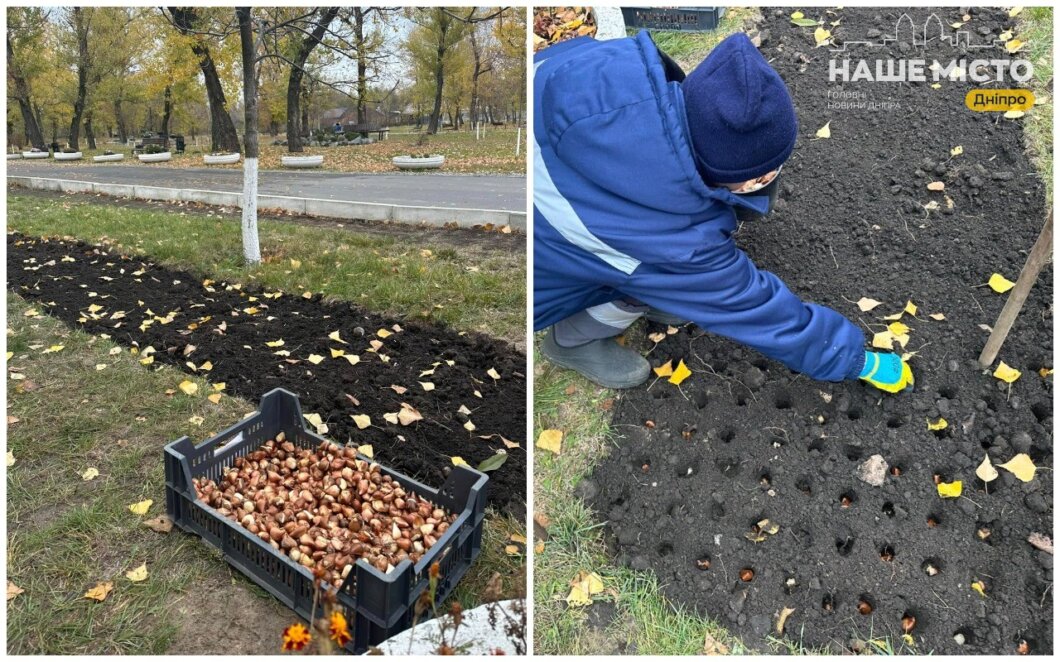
column 1039, row 256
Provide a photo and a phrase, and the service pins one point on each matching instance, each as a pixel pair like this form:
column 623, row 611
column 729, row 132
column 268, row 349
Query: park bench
column 178, row 143
column 366, row 128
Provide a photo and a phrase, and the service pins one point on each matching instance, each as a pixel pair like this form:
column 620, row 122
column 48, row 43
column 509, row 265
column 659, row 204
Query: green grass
column 65, row 534
column 465, row 288
column 492, row 153
column 1035, row 28
column 689, row 48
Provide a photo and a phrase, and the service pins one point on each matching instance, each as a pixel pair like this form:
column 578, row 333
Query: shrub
column 154, row 149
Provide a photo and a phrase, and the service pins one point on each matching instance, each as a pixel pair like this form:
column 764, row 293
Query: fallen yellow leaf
column 141, row 507
column 821, row 36
column 866, row 304
column 979, row 587
column 950, row 490
column 825, row 131
column 1013, row 45
column 957, row 151
column 897, row 328
column 681, row 373
column 137, row 575
column 219, row 386
column 783, row 618
column 90, row 473
column 10, row 458
column 986, row 471
column 1014, row 114
column 459, row 461
column 383, row 333
column 214, row 397
column 937, row 316
column 189, row 387
column 1045, row 372
column 936, row 186
column 275, row 343
column 492, row 372
column 1000, row 284
column 334, row 335
column 362, row 420
column 1015, row 11
column 797, row 14
column 336, row 353
column 1021, row 467
column 1006, row 373
column 366, row 450
column 940, row 424
column 550, row 440
column 666, row 369
column 352, row 358
column 315, row 358
column 883, row 340
column 100, row 591
column 13, row 591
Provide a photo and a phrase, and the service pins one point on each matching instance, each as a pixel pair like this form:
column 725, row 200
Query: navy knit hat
column 739, row 112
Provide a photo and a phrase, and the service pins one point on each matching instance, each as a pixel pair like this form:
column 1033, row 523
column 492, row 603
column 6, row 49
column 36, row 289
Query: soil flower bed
column 325, row 508
column 868, row 535
column 420, row 394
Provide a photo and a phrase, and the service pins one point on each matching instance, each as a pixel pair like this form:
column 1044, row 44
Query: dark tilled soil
column 42, row 271
column 745, row 439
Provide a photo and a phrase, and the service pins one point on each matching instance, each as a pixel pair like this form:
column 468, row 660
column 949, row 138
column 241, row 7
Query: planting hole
column 934, row 520
column 847, row 499
column 804, row 485
column 1042, row 411
column 853, row 413
column 887, row 553
column 743, row 396
column 932, row 566
column 948, row 392
column 866, row 605
column 665, row 549
column 703, row 562
column 853, row 453
column 844, row 545
column 828, row 602
column 727, row 435
column 717, row 511
column 728, row 466
column 909, row 621
column 700, row 399
column 817, row 445
column 783, row 400
column 888, row 509
column 895, row 422
column 765, row 479
column 683, row 471
column 984, row 532
column 964, row 636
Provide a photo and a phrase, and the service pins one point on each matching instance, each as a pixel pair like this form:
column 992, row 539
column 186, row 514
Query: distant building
column 347, row 117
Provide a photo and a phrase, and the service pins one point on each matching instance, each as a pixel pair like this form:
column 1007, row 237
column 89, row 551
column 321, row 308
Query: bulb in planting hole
column 932, row 521
column 827, row 603
column 908, row 623
column 747, row 574
column 930, row 569
column 645, row 467
column 845, row 501
column 896, row 471
column 864, row 608
column 982, row 533
column 887, row 554
column 936, row 478
column 703, row 563
column 650, row 424
column 1023, row 648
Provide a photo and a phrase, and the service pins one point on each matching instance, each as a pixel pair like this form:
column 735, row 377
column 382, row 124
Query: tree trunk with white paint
column 249, row 51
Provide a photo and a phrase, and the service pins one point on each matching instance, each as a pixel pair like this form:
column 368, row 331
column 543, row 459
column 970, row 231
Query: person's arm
column 727, row 295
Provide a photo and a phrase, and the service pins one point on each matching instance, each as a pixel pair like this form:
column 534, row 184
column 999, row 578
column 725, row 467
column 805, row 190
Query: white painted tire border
column 345, row 209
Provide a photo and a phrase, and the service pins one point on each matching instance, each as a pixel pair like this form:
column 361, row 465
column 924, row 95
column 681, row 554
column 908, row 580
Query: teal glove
column 887, row 372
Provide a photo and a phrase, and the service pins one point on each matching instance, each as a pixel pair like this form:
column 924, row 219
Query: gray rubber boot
column 659, row 317
column 603, row 362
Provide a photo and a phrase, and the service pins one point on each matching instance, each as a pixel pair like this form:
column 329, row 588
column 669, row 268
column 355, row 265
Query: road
column 501, row 192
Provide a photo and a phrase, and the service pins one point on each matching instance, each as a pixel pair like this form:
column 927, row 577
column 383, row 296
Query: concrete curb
column 368, row 211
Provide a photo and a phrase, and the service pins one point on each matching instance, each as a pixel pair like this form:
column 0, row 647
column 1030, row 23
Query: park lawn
column 1034, row 28
column 66, row 535
column 466, row 288
column 493, row 153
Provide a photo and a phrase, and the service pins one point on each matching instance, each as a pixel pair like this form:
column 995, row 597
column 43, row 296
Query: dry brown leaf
column 160, row 524
column 13, row 591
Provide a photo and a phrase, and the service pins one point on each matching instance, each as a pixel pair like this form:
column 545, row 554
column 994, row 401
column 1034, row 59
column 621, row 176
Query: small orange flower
column 339, row 629
column 295, row 637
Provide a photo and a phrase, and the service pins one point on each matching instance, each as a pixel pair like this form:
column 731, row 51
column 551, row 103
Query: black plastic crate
column 376, row 605
column 684, row 19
